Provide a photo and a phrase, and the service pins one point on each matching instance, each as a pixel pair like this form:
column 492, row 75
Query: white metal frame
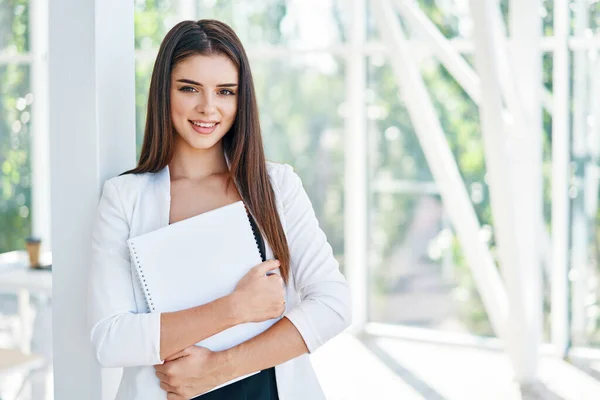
column 580, row 271
column 355, row 168
column 560, row 180
column 526, row 155
column 40, row 137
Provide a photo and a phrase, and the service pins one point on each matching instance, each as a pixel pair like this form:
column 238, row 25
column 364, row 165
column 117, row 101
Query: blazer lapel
column 163, row 195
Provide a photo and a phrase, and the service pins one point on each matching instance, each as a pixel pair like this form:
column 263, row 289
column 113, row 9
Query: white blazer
column 125, row 334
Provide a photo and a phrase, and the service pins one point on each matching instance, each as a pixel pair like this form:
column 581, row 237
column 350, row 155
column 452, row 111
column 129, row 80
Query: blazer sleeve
column 325, row 302
column 120, row 336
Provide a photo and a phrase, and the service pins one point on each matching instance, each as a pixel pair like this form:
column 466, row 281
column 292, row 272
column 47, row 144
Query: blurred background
column 451, row 151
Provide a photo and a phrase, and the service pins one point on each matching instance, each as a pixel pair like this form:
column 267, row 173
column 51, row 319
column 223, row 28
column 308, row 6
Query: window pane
column 418, row 275
column 395, row 152
column 585, row 196
column 143, row 73
column 299, row 101
column 14, row 26
column 15, row 173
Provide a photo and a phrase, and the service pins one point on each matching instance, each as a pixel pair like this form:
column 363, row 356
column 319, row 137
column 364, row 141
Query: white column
column 355, row 167
column 40, row 157
column 526, row 167
column 560, row 180
column 501, row 140
column 92, row 137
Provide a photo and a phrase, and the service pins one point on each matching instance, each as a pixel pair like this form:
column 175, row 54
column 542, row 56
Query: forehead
column 207, row 70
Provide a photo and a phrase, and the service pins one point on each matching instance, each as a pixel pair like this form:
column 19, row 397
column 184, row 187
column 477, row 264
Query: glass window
column 15, row 185
column 14, row 26
column 300, row 100
column 418, row 275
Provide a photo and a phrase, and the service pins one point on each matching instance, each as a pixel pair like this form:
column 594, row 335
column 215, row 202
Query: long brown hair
column 242, row 144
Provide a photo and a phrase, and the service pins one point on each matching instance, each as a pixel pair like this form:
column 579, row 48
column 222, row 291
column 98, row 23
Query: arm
column 325, row 301
column 182, row 329
column 278, row 344
column 325, row 307
column 120, row 336
column 256, row 298
column 196, row 370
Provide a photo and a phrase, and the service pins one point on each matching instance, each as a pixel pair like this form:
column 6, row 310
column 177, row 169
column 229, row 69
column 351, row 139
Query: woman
column 203, row 150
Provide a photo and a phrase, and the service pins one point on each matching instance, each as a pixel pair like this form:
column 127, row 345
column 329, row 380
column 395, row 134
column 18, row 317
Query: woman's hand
column 259, row 296
column 192, row 372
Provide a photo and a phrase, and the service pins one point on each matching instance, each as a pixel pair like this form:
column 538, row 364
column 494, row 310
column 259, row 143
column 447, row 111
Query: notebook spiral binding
column 141, row 278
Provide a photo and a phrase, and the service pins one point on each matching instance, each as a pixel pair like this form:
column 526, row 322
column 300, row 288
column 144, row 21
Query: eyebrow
column 191, row 82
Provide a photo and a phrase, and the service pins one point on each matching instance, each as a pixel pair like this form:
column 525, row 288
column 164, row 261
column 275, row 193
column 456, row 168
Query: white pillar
column 525, row 154
column 560, row 180
column 92, row 137
column 501, row 141
column 40, row 157
column 355, row 167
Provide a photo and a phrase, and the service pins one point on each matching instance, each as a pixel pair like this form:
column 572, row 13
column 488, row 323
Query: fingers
column 167, row 388
column 279, row 281
column 174, row 396
column 275, row 276
column 168, row 368
column 175, row 356
column 262, row 268
column 183, row 353
column 162, row 377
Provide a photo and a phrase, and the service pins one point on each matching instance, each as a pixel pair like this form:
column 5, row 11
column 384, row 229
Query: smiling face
column 203, row 99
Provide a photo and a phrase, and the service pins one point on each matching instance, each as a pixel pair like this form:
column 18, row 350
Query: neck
column 196, row 164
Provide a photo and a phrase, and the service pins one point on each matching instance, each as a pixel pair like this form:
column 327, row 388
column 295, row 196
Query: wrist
column 225, row 359
column 235, row 306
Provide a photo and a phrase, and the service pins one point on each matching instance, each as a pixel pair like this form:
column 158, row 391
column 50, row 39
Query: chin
column 203, row 143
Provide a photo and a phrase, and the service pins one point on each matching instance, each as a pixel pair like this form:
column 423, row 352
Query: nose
column 206, row 105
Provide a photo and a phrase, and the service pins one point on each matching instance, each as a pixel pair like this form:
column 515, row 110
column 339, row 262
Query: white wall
column 92, row 137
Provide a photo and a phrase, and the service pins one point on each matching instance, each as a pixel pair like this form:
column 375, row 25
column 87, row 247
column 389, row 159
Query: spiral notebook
column 198, row 260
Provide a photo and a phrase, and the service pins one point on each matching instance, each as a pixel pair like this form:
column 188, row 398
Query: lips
column 204, row 130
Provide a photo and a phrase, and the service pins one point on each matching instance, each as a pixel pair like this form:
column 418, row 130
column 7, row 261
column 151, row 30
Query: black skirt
column 261, row 386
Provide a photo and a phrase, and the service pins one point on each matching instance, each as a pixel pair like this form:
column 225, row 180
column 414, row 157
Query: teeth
column 203, row 125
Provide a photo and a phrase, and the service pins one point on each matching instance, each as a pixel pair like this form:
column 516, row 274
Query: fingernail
column 277, row 262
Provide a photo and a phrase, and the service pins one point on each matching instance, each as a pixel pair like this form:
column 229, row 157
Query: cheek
column 231, row 109
column 178, row 105
column 175, row 106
